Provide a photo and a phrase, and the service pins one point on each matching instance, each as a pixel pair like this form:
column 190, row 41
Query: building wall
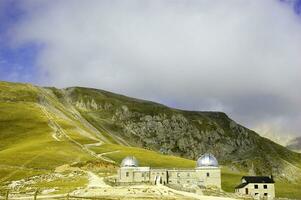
column 159, row 175
column 182, row 177
column 209, row 177
column 134, row 174
column 260, row 191
column 201, row 176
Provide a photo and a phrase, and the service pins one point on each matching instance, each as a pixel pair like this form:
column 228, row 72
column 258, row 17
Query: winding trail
column 62, row 132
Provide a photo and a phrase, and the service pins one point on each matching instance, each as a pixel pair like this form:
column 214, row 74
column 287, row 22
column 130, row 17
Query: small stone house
column 207, row 173
column 258, row 187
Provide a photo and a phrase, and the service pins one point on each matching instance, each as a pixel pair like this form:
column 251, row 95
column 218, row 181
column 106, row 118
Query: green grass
column 64, row 185
column 230, row 179
column 145, row 157
column 288, row 190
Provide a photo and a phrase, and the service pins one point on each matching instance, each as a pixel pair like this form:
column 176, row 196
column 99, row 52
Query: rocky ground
column 95, row 187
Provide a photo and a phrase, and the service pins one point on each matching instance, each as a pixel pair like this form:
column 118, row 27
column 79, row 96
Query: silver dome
column 207, row 160
column 129, row 161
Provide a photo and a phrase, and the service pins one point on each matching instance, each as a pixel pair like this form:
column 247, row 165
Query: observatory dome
column 129, row 161
column 207, row 160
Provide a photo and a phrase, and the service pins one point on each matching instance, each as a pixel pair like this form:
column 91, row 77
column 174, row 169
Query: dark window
column 188, row 181
column 127, row 174
column 247, row 191
column 265, row 186
column 142, row 174
column 265, row 194
column 256, row 186
column 256, row 193
column 178, row 174
column 208, row 174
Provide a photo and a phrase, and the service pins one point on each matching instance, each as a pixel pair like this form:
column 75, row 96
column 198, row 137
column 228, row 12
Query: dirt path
column 196, row 196
column 62, row 132
column 96, row 181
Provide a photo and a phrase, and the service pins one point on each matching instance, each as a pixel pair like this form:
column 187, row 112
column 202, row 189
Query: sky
column 241, row 57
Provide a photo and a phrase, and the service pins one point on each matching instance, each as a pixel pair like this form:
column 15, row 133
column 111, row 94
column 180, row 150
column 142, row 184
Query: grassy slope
column 27, row 147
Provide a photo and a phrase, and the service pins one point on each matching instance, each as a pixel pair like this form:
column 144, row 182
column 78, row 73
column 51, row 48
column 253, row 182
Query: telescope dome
column 207, row 160
column 129, row 161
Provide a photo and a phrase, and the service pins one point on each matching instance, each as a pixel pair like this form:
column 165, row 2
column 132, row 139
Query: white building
column 258, row 187
column 207, row 173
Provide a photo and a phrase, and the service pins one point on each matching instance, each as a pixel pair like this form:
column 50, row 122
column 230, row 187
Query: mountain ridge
column 80, row 125
column 128, row 119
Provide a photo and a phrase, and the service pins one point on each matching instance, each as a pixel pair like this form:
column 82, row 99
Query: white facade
column 207, row 173
column 257, row 187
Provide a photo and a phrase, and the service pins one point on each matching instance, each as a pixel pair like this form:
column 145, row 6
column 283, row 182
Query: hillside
column 183, row 133
column 43, row 128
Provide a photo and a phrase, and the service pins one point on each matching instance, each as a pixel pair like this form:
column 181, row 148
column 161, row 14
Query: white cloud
column 239, row 56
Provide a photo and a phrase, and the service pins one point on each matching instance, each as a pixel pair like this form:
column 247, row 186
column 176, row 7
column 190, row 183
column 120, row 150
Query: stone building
column 258, row 187
column 207, row 173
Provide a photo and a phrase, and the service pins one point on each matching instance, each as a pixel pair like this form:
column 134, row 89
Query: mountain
column 295, row 144
column 176, row 132
column 43, row 128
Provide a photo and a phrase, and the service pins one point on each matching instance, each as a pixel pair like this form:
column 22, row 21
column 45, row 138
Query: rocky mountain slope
column 295, row 144
column 184, row 133
column 42, row 128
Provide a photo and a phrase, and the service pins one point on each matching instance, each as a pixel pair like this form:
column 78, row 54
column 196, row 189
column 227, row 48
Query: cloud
column 241, row 57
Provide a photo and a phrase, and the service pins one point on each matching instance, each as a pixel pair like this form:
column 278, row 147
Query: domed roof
column 207, row 160
column 129, row 161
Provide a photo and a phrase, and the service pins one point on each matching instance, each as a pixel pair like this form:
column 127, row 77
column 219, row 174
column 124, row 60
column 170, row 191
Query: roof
column 241, row 185
column 258, row 179
column 254, row 179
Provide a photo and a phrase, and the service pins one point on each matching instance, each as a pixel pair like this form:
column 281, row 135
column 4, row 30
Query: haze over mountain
column 295, row 144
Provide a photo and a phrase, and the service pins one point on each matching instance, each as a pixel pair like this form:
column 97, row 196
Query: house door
column 158, row 180
column 247, row 191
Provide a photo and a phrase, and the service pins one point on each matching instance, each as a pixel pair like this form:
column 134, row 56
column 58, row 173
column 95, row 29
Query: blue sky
column 17, row 64
column 239, row 57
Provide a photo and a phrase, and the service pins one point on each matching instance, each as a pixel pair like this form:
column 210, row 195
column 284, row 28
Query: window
column 142, row 174
column 208, row 174
column 256, row 194
column 247, row 191
column 265, row 194
column 188, row 174
column 265, row 186
column 188, row 181
column 127, row 174
column 178, row 181
column 256, row 186
column 178, row 174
